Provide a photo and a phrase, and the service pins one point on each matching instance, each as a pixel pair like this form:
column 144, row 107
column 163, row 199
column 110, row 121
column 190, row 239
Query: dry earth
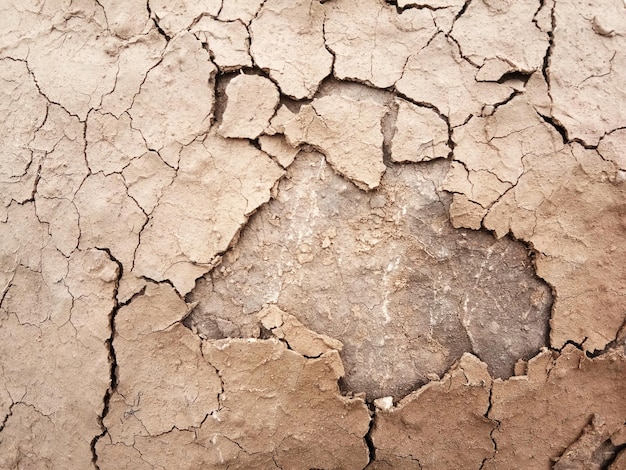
column 294, row 234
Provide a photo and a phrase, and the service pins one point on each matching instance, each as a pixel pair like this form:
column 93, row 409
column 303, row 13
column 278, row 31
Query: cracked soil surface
column 304, row 234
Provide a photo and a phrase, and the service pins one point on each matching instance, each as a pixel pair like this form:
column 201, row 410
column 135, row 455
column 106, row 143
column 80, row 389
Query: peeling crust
column 260, row 234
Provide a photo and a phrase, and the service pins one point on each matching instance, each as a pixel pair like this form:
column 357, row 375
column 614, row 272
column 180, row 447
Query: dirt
column 385, row 273
column 313, row 234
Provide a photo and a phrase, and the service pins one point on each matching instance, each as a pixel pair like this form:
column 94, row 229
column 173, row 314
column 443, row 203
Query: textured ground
column 293, row 234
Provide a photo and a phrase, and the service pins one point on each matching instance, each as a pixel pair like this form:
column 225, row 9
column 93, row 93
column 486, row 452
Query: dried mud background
column 293, row 234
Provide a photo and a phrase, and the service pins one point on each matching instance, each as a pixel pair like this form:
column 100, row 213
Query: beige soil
column 303, row 234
